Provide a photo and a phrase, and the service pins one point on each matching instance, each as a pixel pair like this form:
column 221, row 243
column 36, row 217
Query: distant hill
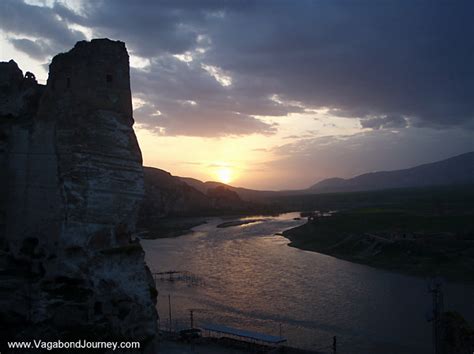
column 168, row 195
column 455, row 170
column 200, row 185
column 244, row 193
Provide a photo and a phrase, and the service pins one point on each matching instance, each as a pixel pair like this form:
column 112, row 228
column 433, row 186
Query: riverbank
column 238, row 223
column 422, row 245
column 171, row 227
column 180, row 225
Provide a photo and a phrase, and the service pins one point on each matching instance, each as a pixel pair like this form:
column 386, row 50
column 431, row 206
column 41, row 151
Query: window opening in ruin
column 30, row 76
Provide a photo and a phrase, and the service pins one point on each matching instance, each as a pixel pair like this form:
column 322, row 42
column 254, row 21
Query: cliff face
column 169, row 196
column 72, row 183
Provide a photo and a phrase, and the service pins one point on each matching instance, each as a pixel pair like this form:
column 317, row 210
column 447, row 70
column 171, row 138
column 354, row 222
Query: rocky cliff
column 71, row 186
column 171, row 196
column 166, row 195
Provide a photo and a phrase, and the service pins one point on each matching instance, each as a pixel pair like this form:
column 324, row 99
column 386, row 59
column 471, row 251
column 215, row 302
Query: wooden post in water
column 334, row 344
column 437, row 294
column 169, row 308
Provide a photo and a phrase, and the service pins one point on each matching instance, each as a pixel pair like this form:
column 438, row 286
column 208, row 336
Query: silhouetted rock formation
column 167, row 195
column 223, row 197
column 249, row 195
column 71, row 186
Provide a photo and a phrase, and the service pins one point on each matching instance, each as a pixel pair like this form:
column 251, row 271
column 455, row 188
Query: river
column 251, row 278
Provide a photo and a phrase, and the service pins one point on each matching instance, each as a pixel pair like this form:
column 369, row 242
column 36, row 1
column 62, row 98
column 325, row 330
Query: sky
column 275, row 94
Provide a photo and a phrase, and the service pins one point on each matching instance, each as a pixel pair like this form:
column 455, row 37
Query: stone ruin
column 71, row 185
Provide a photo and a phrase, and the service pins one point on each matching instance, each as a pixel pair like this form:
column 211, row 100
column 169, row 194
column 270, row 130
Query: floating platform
column 243, row 334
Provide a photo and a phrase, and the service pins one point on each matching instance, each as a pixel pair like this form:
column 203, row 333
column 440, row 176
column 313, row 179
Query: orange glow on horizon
column 248, row 161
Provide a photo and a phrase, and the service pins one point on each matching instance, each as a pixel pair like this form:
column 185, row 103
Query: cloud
column 191, row 163
column 150, row 28
column 22, row 22
column 363, row 59
column 309, row 134
column 36, row 49
column 184, row 99
column 385, row 63
column 390, row 121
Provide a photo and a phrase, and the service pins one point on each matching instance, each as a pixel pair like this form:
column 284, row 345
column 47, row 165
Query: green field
column 420, row 232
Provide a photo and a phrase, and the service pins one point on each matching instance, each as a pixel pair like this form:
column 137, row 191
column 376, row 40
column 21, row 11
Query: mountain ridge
column 458, row 169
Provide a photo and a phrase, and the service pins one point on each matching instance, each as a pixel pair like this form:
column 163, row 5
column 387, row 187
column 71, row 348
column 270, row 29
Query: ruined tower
column 75, row 183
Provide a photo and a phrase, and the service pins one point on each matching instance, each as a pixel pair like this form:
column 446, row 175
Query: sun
column 224, row 174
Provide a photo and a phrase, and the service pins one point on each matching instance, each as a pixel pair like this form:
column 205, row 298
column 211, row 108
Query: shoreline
column 400, row 256
column 343, row 237
column 175, row 226
column 171, row 227
column 238, row 222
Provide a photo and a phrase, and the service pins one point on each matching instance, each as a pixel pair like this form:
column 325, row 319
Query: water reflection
column 253, row 280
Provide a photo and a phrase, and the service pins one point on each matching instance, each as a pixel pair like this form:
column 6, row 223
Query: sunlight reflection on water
column 253, row 280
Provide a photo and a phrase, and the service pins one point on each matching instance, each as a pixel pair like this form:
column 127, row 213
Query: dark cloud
column 36, row 49
column 183, row 99
column 361, row 58
column 150, row 28
column 387, row 62
column 302, row 136
column 24, row 21
column 391, row 121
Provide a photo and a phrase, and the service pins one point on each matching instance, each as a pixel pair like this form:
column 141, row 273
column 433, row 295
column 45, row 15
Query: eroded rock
column 72, row 183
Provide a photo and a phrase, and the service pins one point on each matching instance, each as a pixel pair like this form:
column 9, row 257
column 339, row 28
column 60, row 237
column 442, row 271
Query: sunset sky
column 275, row 94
